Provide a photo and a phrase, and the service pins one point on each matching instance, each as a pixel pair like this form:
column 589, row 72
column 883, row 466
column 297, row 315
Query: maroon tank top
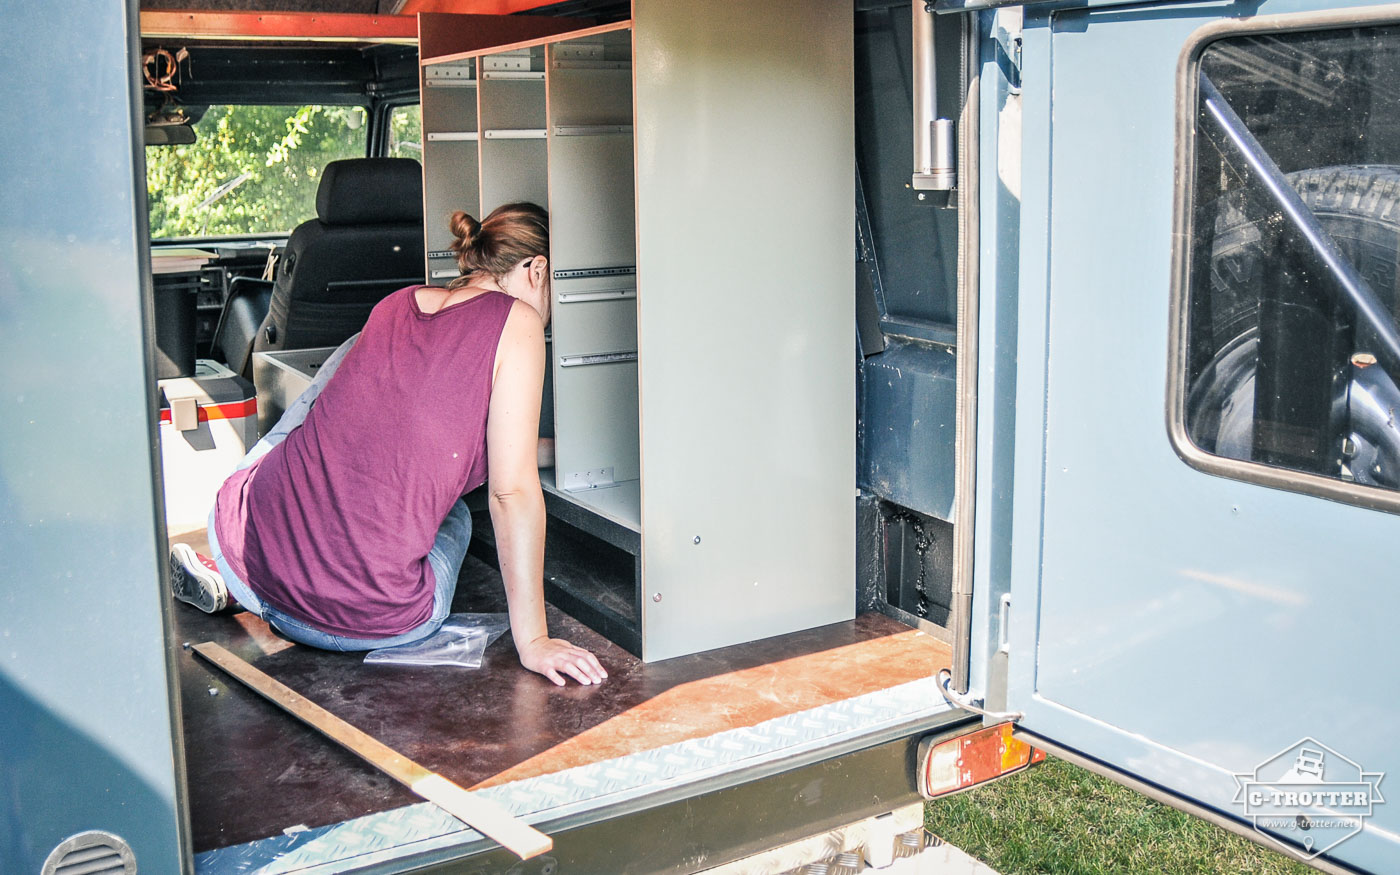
column 333, row 526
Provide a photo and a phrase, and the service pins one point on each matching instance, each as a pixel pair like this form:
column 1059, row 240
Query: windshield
column 252, row 170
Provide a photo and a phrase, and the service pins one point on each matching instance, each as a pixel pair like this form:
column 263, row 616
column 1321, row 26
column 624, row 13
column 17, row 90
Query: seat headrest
column 370, row 191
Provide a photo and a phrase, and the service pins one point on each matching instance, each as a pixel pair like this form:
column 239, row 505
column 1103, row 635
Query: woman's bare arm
column 517, row 503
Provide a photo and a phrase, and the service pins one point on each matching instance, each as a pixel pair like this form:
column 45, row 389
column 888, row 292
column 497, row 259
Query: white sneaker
column 196, row 581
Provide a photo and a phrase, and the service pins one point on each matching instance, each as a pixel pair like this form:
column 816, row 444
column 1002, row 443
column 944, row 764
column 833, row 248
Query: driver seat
column 365, row 242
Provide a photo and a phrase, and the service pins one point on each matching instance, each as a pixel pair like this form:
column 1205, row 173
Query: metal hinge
column 1006, row 30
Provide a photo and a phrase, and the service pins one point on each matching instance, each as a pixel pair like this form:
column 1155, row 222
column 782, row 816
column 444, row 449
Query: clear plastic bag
column 461, row 641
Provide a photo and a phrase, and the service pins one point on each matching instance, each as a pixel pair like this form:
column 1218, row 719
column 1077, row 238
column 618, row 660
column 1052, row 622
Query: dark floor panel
column 254, row 771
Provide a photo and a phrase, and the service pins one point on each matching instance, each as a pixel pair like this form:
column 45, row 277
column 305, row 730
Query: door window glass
column 1292, row 354
column 406, row 132
column 251, row 169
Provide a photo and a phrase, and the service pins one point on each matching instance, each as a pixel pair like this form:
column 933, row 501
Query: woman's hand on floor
column 555, row 657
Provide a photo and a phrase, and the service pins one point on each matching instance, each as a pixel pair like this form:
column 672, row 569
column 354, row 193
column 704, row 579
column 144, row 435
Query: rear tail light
column 968, row 760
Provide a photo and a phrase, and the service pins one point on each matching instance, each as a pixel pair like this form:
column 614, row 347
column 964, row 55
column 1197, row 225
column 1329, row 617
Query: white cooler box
column 208, row 422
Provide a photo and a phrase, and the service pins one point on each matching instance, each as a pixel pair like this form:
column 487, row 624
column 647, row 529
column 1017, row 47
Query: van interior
column 218, row 245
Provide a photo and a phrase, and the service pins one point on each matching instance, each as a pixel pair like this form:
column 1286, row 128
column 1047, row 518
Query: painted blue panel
column 907, row 451
column 1184, row 626
column 996, row 354
column 86, row 737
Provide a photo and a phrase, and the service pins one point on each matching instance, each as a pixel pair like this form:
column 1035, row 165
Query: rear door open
column 1196, row 524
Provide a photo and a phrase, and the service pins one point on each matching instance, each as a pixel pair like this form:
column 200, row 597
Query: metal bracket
column 517, row 134
column 450, row 75
column 589, row 272
column 598, row 358
column 574, row 51
column 597, row 295
column 506, row 61
column 590, row 130
column 596, row 478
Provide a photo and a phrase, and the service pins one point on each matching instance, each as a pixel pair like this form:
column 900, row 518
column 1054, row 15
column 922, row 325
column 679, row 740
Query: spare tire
column 1359, row 206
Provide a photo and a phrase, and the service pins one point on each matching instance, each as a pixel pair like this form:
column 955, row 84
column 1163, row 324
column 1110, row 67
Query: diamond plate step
column 379, row 838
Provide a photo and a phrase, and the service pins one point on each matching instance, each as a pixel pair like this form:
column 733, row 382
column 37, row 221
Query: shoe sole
column 194, row 584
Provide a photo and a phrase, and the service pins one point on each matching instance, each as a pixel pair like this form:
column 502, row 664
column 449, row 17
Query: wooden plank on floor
column 481, row 814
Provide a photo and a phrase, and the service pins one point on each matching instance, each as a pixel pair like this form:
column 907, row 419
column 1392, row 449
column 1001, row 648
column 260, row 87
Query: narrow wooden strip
column 475, row 811
column 331, row 26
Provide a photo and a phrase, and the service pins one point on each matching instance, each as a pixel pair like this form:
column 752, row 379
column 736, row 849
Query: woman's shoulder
column 520, row 313
column 520, row 324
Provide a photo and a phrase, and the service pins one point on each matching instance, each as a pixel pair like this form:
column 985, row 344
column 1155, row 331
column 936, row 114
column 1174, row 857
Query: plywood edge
column 512, row 42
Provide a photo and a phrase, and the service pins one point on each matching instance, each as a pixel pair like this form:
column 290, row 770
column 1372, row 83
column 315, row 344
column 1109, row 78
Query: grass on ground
column 1055, row 817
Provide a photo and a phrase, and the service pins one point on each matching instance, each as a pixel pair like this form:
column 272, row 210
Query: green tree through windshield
column 254, row 169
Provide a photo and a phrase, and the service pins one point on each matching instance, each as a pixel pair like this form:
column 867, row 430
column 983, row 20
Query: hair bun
column 496, row 246
column 464, row 228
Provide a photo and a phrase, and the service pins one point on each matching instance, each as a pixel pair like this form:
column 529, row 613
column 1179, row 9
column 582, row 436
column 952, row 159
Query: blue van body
column 1165, row 624
column 1177, row 626
column 87, row 719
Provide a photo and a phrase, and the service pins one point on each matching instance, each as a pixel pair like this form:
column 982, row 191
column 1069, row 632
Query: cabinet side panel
column 584, row 96
column 513, row 170
column 591, row 189
column 451, row 185
column 595, row 423
column 511, row 103
column 746, row 319
column 451, row 168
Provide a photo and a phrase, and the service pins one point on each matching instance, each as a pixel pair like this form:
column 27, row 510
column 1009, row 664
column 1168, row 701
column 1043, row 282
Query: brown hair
column 511, row 234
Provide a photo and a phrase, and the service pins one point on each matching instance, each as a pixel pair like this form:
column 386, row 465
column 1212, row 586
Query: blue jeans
column 448, row 552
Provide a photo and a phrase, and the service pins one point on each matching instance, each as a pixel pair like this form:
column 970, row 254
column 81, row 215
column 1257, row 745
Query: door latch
column 1004, row 624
